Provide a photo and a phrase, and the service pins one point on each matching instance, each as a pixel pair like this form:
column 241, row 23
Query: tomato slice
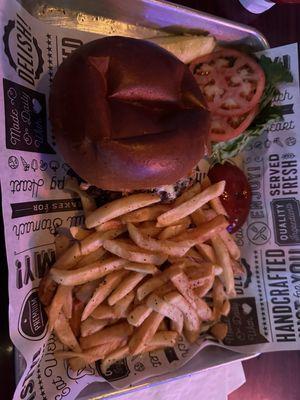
column 236, row 198
column 225, row 128
column 232, row 82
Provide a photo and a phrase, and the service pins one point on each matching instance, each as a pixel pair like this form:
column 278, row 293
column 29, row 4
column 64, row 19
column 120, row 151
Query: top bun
column 128, row 115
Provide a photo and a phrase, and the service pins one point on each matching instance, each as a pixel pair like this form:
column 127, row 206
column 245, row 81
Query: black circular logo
column 258, row 233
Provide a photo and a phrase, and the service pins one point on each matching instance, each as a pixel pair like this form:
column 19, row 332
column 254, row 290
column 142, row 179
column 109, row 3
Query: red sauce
column 236, row 198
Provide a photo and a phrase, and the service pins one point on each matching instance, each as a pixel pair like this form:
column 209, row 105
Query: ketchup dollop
column 236, row 198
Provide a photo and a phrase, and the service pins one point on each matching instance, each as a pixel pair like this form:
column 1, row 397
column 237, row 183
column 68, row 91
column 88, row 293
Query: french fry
column 149, row 229
column 62, row 243
column 198, row 217
column 203, row 232
column 167, row 310
column 79, row 233
column 77, row 363
column 68, row 303
column 198, row 275
column 88, row 273
column 88, row 203
column 144, row 333
column 181, row 282
column 106, row 286
column 142, row 268
column 113, row 357
column 69, row 258
column 188, row 194
column 158, row 280
column 202, row 291
column 65, row 334
column 191, row 320
column 164, row 289
column 109, row 334
column 191, row 205
column 103, row 311
column 138, row 315
column 229, row 242
column 75, row 320
column 219, row 297
column 224, row 260
column 120, row 207
column 226, row 308
column 219, row 330
column 107, row 226
column 92, row 354
column 207, row 252
column 92, row 325
column 163, row 339
column 162, row 326
column 173, row 230
column 90, row 258
column 237, row 268
column 215, row 204
column 162, row 246
column 145, row 214
column 121, row 308
column 96, row 239
column 57, row 305
column 85, row 291
column 133, row 253
column 125, row 287
column 47, row 290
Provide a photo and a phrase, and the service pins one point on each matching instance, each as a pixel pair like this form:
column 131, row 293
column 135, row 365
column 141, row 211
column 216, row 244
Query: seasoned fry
column 62, row 243
column 142, row 268
column 237, row 268
column 202, row 291
column 57, row 305
column 106, row 286
column 198, row 217
column 107, row 226
column 79, row 233
column 145, row 333
column 150, row 229
column 191, row 205
column 167, row 310
column 219, row 331
column 215, row 204
column 121, row 308
column 126, row 286
column 203, row 232
column 191, row 320
column 88, row 203
column 181, row 282
column 47, row 290
column 163, row 339
column 162, row 246
column 133, row 253
column 120, row 207
column 90, row 258
column 65, row 334
column 219, row 298
column 173, row 230
column 103, row 311
column 232, row 247
column 226, row 308
column 207, row 252
column 75, row 320
column 188, row 194
column 115, row 332
column 85, row 291
column 138, row 315
column 198, row 275
column 68, row 303
column 92, row 325
column 88, row 273
column 224, row 260
column 145, row 214
column 162, row 326
column 113, row 357
column 96, row 240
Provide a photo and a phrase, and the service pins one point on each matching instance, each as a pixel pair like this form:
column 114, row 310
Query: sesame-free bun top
column 127, row 114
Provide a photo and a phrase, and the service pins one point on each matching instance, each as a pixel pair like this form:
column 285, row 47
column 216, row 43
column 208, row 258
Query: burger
column 130, row 116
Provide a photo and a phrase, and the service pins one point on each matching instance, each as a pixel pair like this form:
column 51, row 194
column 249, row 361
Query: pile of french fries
column 140, row 274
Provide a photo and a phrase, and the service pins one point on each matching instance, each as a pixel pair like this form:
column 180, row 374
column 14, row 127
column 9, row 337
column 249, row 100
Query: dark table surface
column 273, row 376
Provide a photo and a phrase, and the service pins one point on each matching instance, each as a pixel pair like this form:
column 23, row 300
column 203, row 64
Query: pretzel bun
column 128, row 115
